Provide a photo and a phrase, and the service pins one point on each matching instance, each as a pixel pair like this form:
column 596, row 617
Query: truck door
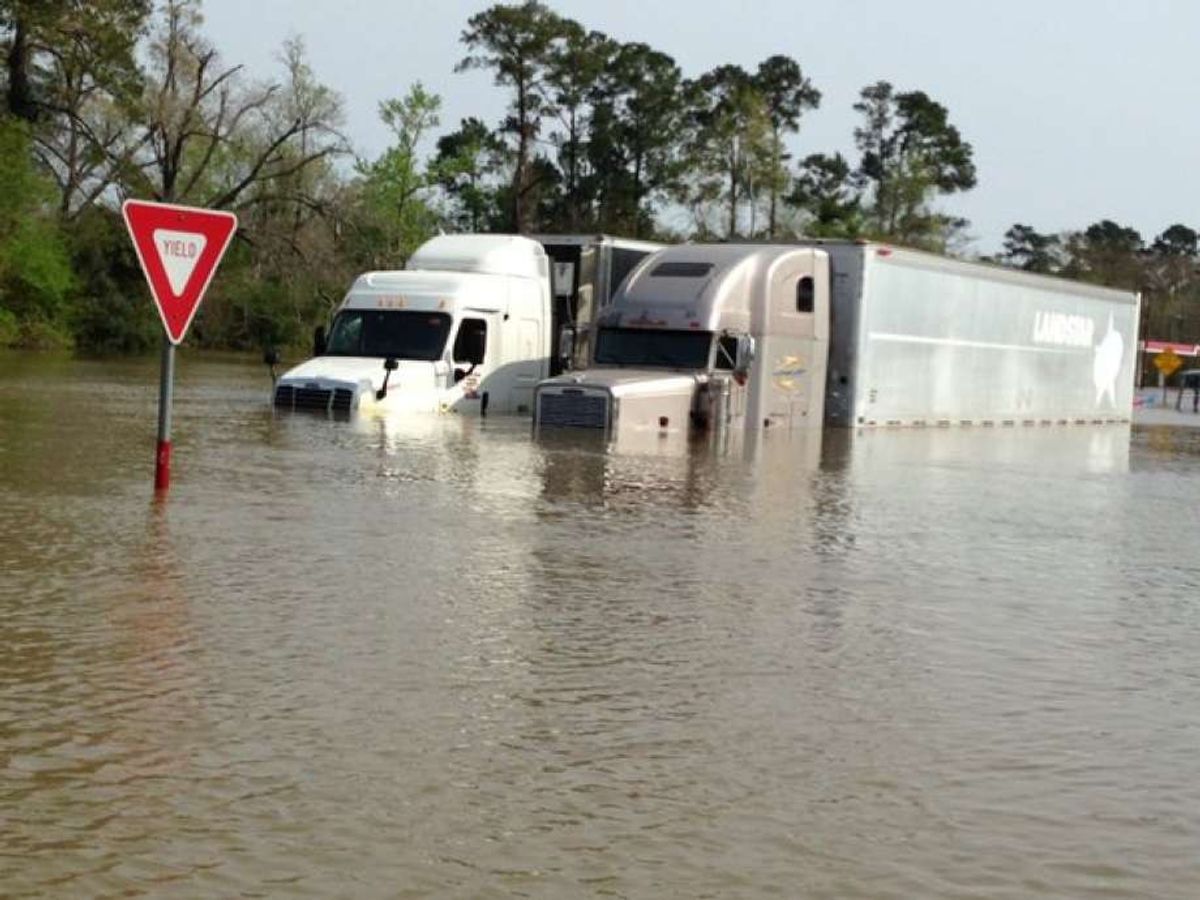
column 473, row 358
column 791, row 323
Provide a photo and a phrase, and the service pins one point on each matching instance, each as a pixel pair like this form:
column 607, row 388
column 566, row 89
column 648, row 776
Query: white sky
column 1078, row 110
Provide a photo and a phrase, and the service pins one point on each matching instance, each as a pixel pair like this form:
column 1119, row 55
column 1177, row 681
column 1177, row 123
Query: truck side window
column 726, row 353
column 471, row 342
column 805, row 291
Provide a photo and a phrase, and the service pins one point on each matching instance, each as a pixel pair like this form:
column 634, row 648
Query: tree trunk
column 775, row 155
column 20, row 92
column 637, row 196
column 518, row 219
column 733, row 192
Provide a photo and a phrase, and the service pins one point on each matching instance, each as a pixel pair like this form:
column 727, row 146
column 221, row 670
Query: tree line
column 110, row 99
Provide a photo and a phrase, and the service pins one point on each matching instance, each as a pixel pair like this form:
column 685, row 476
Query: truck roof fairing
column 484, row 254
column 718, row 296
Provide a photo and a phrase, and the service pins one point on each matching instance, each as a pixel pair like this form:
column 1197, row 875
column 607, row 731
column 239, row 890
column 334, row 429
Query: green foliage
column 10, row 328
column 518, row 44
column 1166, row 271
column 786, row 94
column 641, row 162
column 467, row 169
column 35, row 261
column 824, row 188
column 730, row 129
column 112, row 310
column 35, row 271
column 114, row 98
column 393, row 215
column 1105, row 253
column 1025, row 248
column 577, row 61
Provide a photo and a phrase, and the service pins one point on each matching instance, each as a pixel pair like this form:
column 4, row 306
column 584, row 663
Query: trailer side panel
column 945, row 342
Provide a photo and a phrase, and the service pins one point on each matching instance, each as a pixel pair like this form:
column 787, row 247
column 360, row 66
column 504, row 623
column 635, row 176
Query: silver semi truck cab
column 676, row 350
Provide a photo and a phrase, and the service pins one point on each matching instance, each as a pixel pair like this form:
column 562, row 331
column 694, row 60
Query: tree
column 1025, row 248
column 824, row 188
column 1172, row 281
column 576, row 64
column 1178, row 242
column 44, row 40
column 35, row 270
column 643, row 93
column 516, row 43
column 395, row 217
column 466, row 166
column 72, row 74
column 292, row 223
column 1105, row 253
column 730, row 125
column 209, row 139
column 910, row 154
column 786, row 95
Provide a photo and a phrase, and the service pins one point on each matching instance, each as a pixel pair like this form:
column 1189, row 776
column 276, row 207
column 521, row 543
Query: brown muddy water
column 442, row 659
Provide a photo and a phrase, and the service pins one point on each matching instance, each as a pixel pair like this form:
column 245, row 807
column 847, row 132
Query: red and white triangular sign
column 179, row 248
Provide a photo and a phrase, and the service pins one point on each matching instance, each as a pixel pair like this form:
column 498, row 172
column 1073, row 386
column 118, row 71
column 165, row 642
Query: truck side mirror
column 744, row 356
column 566, row 346
column 319, row 341
column 390, row 365
column 271, row 359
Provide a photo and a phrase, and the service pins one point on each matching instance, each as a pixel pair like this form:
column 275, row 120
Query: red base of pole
column 162, row 466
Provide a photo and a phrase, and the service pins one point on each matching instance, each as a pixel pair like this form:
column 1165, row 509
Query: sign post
column 179, row 248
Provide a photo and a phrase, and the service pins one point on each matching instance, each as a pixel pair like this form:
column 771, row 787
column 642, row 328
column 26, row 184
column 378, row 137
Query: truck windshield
column 651, row 347
column 404, row 334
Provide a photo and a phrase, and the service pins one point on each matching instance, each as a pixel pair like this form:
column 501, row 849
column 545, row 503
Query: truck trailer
column 471, row 324
column 714, row 337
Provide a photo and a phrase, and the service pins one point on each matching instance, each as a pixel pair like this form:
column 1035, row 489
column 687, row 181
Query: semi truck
column 471, row 324
column 709, row 338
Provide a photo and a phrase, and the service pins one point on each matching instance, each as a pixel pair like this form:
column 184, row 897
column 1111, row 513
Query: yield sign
column 179, row 248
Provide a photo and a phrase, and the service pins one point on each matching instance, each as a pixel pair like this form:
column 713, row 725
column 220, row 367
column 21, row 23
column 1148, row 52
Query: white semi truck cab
column 470, row 325
column 465, row 327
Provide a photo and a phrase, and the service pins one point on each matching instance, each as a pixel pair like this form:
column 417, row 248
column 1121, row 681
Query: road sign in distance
column 1167, row 362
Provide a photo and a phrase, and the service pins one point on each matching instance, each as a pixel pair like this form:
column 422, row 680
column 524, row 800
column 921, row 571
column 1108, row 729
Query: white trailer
column 856, row 334
column 470, row 325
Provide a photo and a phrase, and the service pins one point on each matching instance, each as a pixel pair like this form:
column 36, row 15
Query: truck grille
column 338, row 400
column 573, row 409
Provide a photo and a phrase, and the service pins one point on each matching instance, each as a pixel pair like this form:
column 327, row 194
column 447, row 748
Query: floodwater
column 445, row 660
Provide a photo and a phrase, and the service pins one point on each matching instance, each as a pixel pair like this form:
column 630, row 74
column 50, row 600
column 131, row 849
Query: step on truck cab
column 771, row 336
column 470, row 325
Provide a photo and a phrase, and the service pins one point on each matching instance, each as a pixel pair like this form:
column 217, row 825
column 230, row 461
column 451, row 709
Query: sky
column 1078, row 110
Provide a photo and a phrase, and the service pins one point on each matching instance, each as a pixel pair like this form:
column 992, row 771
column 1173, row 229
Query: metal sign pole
column 162, row 459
